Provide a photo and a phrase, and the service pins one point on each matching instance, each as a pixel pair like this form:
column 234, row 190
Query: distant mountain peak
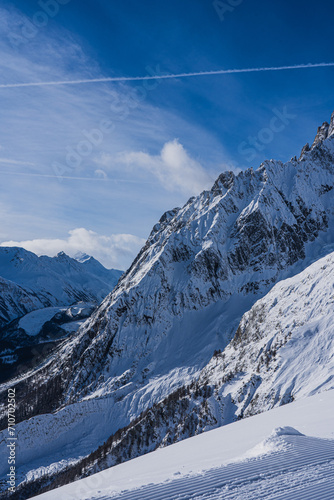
column 30, row 282
column 323, row 132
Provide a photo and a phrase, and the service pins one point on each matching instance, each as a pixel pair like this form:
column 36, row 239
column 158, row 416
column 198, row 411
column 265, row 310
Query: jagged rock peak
column 61, row 255
column 323, row 132
column 305, row 149
column 226, row 179
column 164, row 221
column 167, row 216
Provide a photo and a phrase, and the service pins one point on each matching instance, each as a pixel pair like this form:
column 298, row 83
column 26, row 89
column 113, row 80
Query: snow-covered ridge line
column 324, row 132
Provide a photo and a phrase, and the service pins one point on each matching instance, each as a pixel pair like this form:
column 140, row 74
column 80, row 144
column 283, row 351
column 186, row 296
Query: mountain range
column 28, row 282
column 38, row 297
column 226, row 312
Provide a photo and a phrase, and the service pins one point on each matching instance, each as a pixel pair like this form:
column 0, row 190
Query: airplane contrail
column 165, row 77
column 52, row 176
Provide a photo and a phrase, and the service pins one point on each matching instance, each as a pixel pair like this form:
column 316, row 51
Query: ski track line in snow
column 305, row 471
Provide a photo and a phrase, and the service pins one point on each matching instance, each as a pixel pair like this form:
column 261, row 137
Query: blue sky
column 93, row 166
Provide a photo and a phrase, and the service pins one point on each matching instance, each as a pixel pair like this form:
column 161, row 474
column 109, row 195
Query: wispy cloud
column 51, row 121
column 174, row 168
column 114, row 251
column 100, row 175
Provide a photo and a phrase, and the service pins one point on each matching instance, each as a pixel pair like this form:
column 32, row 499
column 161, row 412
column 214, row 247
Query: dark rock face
column 324, row 132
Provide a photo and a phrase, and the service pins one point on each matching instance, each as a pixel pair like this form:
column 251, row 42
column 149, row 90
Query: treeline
column 166, row 422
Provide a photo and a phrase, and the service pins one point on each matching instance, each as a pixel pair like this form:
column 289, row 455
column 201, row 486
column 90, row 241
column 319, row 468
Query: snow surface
column 285, row 453
column 73, row 326
column 32, row 323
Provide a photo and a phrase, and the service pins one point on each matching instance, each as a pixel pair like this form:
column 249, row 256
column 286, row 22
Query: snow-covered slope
column 286, row 453
column 29, row 282
column 284, row 346
column 283, row 350
column 15, row 301
column 202, row 268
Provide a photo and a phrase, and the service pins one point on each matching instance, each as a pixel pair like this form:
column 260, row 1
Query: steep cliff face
column 324, row 132
column 203, row 266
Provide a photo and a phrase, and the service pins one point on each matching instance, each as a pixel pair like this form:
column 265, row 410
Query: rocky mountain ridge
column 325, row 131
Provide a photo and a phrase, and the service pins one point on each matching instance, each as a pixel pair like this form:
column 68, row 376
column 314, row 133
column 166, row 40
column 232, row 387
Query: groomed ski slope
column 286, row 453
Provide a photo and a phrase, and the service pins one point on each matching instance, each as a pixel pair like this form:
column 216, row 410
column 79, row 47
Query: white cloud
column 114, row 251
column 174, row 168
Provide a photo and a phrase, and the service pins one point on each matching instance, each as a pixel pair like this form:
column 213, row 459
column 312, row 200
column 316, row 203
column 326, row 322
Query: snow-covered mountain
column 282, row 351
column 202, row 267
column 28, row 282
column 145, row 355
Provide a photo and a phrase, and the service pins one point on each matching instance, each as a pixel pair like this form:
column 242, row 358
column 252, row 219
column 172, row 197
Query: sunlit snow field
column 286, row 453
